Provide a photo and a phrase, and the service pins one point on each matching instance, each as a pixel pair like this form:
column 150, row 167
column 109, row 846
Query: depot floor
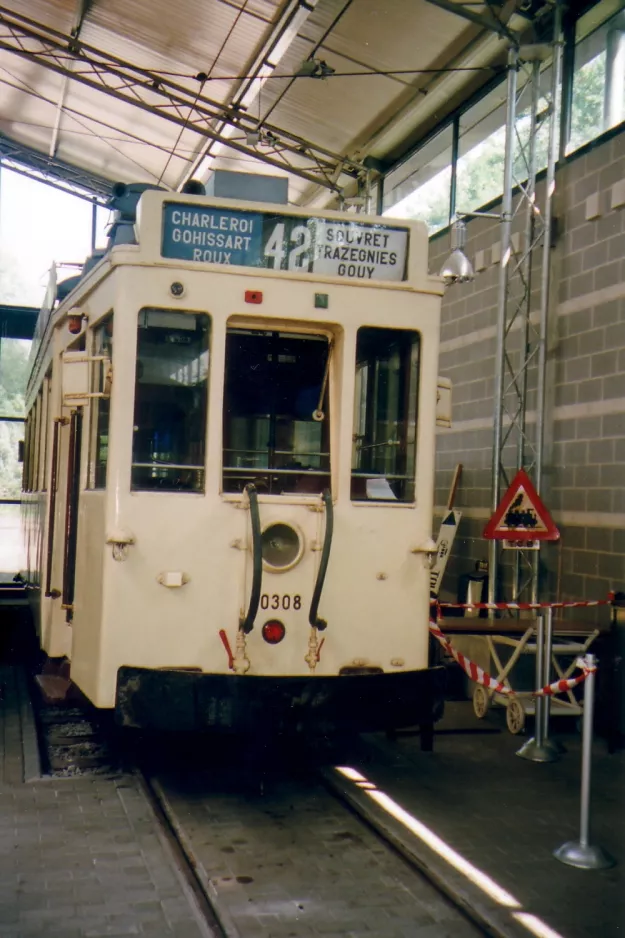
column 82, row 857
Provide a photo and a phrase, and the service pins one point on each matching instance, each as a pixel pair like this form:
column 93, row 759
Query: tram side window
column 102, row 346
column 171, row 390
column 385, row 415
column 274, row 435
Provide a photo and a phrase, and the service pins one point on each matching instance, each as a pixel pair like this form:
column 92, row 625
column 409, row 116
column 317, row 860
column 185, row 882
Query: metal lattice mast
column 520, row 358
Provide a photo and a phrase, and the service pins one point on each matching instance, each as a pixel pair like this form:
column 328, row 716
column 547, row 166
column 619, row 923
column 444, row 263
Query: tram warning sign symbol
column 521, row 515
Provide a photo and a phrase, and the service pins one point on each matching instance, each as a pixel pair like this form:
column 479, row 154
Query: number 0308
column 285, row 602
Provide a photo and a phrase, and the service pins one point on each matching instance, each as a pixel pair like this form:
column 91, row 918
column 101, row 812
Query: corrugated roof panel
column 27, row 117
column 394, row 34
column 158, row 34
column 58, row 14
column 337, row 108
column 345, row 108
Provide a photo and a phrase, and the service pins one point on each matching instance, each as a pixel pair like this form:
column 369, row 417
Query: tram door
column 66, row 538
column 277, row 438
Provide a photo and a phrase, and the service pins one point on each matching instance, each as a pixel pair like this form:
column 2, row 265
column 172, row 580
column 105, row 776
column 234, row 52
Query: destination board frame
column 346, row 249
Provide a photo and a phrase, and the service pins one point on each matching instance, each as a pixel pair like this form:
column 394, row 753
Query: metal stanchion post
column 555, row 746
column 535, row 750
column 581, row 853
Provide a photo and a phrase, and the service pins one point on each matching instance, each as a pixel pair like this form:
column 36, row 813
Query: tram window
column 273, row 386
column 168, row 451
column 385, row 415
column 102, row 345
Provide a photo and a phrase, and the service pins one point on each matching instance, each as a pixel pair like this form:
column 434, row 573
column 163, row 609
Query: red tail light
column 273, row 632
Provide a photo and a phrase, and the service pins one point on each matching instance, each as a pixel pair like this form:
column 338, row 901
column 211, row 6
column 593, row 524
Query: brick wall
column 584, row 479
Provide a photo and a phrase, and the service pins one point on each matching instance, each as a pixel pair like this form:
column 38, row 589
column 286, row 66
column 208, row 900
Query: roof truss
column 53, row 171
column 189, row 109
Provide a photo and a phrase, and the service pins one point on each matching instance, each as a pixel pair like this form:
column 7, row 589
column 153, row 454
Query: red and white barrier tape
column 469, row 667
column 557, row 605
column 480, row 676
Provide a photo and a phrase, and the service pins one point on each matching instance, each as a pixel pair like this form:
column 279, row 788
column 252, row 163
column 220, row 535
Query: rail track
column 288, row 857
column 264, row 844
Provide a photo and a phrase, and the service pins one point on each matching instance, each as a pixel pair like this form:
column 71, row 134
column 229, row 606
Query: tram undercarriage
column 191, row 701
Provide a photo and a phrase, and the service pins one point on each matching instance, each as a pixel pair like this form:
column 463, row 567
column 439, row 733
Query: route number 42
column 295, row 250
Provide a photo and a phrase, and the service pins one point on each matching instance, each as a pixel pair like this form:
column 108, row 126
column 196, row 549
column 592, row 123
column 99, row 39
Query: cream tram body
column 162, row 561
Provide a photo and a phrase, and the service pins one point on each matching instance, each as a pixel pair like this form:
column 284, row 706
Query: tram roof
column 70, row 70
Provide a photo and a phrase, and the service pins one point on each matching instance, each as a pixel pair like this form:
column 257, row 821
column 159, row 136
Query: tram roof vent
column 249, row 187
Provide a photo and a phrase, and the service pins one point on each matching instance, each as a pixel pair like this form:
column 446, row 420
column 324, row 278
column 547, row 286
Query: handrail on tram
column 313, row 618
column 247, row 624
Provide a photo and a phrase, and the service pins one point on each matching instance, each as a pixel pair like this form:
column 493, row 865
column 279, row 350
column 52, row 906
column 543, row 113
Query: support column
column 506, row 215
column 520, row 356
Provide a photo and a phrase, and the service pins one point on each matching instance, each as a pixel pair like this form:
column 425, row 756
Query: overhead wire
column 368, row 73
column 203, row 78
column 317, row 46
column 180, row 133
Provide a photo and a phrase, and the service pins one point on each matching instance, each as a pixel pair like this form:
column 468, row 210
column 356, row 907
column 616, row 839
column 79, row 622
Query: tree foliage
column 13, row 377
column 480, row 171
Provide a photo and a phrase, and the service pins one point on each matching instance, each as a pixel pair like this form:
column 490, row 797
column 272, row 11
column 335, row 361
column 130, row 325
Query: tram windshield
column 276, row 421
column 385, row 415
column 170, row 401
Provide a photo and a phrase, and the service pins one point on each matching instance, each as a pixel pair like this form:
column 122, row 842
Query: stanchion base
column 583, row 856
column 533, row 752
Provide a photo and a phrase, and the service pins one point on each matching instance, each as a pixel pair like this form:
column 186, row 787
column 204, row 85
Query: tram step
column 54, row 688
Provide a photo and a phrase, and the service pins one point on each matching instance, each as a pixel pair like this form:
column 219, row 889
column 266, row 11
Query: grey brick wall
column 584, row 484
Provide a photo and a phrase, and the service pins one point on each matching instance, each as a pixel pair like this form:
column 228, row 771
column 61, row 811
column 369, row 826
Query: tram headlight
column 282, row 547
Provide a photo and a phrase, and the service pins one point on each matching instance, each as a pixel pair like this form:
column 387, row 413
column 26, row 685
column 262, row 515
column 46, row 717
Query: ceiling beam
column 53, row 172
column 82, row 8
column 489, row 20
column 171, row 101
column 57, row 117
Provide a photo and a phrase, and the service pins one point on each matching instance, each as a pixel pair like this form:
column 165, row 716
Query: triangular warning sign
column 521, row 515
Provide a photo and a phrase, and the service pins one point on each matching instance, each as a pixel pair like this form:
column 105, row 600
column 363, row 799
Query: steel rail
column 216, row 912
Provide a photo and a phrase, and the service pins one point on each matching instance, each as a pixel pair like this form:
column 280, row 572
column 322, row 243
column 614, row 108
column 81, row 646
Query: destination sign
column 328, row 248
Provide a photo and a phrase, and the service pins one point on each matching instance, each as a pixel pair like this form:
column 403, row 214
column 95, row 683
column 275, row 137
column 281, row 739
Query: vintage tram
column 229, row 467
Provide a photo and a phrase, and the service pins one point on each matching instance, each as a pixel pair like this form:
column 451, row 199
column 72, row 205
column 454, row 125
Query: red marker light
column 253, row 296
column 273, row 632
